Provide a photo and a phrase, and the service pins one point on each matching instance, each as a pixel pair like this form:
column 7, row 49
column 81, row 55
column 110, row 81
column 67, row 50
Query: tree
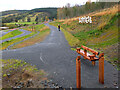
column 16, row 20
column 36, row 19
column 54, row 19
column 23, row 19
column 28, row 19
column 77, row 10
column 3, row 25
column 42, row 19
column 88, row 6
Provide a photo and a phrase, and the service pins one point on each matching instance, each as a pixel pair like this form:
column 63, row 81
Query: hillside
column 101, row 35
column 13, row 12
column 22, row 15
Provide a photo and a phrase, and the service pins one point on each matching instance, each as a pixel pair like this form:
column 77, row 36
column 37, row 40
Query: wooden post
column 101, row 68
column 32, row 28
column 85, row 52
column 78, row 72
column 78, row 50
column 92, row 58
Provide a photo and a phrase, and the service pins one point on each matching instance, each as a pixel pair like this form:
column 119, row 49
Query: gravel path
column 25, row 32
column 57, row 59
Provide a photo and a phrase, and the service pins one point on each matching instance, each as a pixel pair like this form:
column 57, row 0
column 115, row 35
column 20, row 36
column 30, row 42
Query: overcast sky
column 31, row 4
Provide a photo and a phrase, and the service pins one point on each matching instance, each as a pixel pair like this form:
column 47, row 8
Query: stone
column 115, row 84
column 42, row 82
column 19, row 86
column 21, row 83
column 105, row 86
column 16, row 83
column 56, row 87
column 45, row 84
column 56, row 84
column 60, row 87
column 8, row 75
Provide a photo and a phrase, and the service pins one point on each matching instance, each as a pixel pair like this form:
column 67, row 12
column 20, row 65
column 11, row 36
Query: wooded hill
column 69, row 11
column 38, row 14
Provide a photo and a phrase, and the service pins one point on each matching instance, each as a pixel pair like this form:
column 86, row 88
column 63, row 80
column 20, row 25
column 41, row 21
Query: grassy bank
column 11, row 34
column 19, row 74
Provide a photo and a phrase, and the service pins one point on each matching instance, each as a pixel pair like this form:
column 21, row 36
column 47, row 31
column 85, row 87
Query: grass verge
column 4, row 45
column 20, row 23
column 11, row 34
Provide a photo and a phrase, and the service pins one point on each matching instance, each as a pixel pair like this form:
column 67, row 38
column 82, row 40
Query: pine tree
column 36, row 19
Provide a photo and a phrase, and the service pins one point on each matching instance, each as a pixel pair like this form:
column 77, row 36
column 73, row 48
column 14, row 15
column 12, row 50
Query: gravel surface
column 57, row 59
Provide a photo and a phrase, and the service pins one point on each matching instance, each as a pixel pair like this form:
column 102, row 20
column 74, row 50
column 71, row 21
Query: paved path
column 58, row 60
column 25, row 32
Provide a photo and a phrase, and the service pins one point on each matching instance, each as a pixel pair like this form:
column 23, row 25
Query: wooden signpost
column 101, row 68
column 78, row 71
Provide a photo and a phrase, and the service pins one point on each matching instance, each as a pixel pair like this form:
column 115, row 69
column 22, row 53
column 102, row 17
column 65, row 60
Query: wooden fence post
column 101, row 68
column 85, row 52
column 78, row 72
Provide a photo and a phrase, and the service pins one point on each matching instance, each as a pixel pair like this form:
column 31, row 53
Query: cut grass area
column 11, row 34
column 4, row 45
column 15, row 72
column 44, row 32
column 20, row 23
